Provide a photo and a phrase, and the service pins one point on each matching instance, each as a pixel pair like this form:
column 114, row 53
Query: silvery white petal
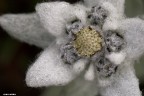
column 111, row 22
column 49, row 69
column 55, row 15
column 116, row 58
column 125, row 83
column 90, row 73
column 134, row 35
column 27, row 28
column 81, row 87
column 118, row 4
column 79, row 66
column 78, row 87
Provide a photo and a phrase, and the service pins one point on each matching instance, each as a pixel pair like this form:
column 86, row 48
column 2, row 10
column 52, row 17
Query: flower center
column 88, row 41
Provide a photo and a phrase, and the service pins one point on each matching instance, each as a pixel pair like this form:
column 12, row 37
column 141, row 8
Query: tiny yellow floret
column 88, row 41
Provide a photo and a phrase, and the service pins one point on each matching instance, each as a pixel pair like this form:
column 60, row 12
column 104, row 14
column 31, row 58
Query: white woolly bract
column 26, row 28
column 90, row 73
column 116, row 58
column 78, row 87
column 55, row 15
column 125, row 83
column 134, row 35
column 49, row 69
column 118, row 4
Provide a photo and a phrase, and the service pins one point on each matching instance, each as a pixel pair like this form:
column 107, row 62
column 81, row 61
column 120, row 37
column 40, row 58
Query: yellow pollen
column 88, row 41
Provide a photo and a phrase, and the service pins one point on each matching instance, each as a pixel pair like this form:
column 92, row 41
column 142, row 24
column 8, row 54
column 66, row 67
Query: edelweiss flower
column 91, row 37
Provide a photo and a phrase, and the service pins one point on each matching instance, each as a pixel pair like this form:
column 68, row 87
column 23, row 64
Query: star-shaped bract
column 50, row 20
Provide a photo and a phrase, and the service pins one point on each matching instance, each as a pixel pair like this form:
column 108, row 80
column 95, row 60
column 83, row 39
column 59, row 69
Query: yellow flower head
column 88, row 41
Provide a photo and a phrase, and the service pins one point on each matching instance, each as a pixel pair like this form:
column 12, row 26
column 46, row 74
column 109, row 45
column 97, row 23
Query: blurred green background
column 15, row 56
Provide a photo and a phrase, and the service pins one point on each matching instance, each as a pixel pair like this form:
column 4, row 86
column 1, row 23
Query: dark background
column 15, row 56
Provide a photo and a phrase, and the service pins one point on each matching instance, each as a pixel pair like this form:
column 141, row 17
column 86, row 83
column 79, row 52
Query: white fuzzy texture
column 104, row 82
column 79, row 87
column 118, row 4
column 79, row 66
column 125, row 83
column 115, row 12
column 90, row 73
column 116, row 58
column 26, row 28
column 49, row 69
column 111, row 22
column 134, row 35
column 55, row 15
